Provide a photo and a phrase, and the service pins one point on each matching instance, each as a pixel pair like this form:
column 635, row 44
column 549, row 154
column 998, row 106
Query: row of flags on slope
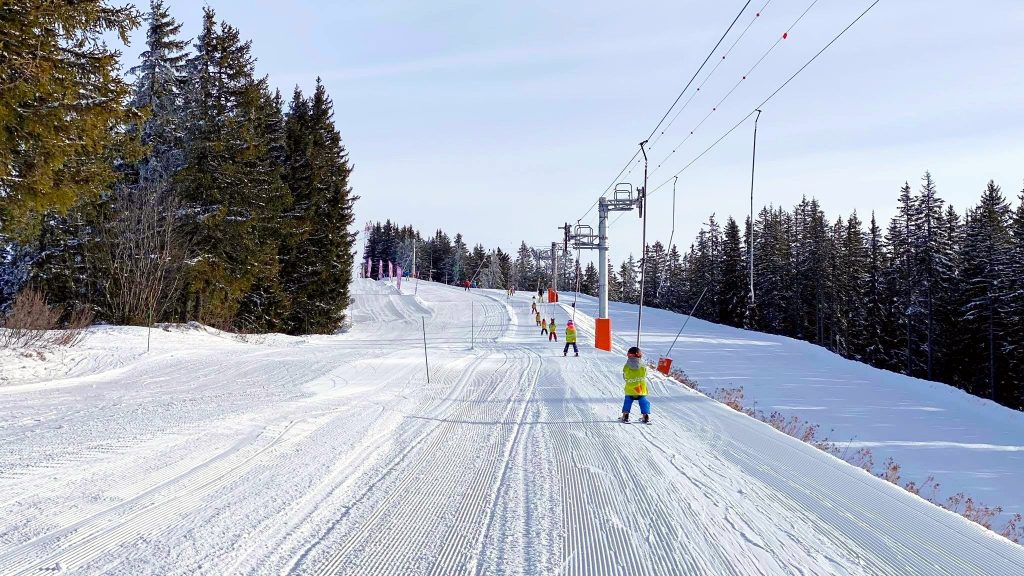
column 394, row 271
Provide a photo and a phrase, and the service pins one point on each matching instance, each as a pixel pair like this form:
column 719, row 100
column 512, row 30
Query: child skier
column 533, row 306
column 635, row 375
column 570, row 339
column 552, row 331
column 543, row 326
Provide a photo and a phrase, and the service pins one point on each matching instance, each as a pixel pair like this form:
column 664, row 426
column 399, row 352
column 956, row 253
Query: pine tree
column 62, row 107
column 629, row 281
column 734, row 279
column 589, row 282
column 901, row 281
column 317, row 255
column 1014, row 347
column 876, row 308
column 230, row 186
column 854, row 270
column 657, row 263
column 986, row 283
column 158, row 90
column 931, row 265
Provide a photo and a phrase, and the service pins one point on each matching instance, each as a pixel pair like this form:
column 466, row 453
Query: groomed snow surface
column 332, row 455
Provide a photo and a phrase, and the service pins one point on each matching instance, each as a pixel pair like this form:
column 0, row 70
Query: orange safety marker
column 664, row 365
column 603, row 334
column 552, row 295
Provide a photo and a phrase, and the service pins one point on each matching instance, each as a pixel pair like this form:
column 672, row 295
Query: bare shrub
column 29, row 320
column 863, row 458
column 143, row 255
column 980, row 513
column 32, row 323
column 74, row 332
column 731, row 397
column 1014, row 528
column 681, row 377
column 890, row 472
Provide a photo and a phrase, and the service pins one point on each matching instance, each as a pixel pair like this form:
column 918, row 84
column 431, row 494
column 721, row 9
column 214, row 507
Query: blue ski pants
column 645, row 404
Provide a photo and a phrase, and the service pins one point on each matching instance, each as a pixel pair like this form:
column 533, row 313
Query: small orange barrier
column 552, row 296
column 664, row 365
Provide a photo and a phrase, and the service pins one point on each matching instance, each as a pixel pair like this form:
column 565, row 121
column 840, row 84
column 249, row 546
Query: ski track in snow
column 332, row 455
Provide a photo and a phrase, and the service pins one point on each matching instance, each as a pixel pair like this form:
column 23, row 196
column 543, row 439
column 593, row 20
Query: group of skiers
column 634, row 373
column 551, row 330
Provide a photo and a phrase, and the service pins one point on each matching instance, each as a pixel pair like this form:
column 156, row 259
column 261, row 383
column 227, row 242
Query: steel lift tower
column 583, row 238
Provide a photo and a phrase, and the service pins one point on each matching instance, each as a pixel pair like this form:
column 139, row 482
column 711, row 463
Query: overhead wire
column 676, row 101
column 763, row 102
column 693, row 94
column 711, row 73
column 743, row 78
column 772, row 95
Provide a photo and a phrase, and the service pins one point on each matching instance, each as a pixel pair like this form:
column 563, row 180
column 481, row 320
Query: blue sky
column 502, row 120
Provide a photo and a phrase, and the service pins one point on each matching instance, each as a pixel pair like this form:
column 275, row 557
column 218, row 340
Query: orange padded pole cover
column 603, row 334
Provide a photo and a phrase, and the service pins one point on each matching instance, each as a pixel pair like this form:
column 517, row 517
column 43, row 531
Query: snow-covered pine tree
column 932, row 267
column 230, row 187
column 158, row 90
column 629, row 281
column 657, row 262
column 854, row 266
column 589, row 282
column 949, row 304
column 900, row 283
column 524, row 268
column 734, row 286
column 986, row 285
column 876, row 307
column 1014, row 347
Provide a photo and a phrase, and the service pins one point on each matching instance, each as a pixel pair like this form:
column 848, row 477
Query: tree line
column 449, row 259
column 192, row 192
column 935, row 295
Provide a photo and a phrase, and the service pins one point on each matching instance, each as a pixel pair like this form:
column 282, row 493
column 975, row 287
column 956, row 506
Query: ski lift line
column 718, row 64
column 695, row 74
column 676, row 101
column 768, row 99
column 685, row 322
column 671, row 236
column 767, row 52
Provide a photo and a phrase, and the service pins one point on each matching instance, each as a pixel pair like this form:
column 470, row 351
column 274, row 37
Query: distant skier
column 543, row 325
column 635, row 375
column 570, row 339
column 540, row 321
column 552, row 331
column 533, row 306
column 466, row 285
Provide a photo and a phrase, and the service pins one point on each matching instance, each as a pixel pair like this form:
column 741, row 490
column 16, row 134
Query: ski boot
column 624, row 417
column 646, row 418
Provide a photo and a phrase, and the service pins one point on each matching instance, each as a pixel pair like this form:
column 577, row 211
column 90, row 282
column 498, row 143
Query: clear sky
column 502, row 120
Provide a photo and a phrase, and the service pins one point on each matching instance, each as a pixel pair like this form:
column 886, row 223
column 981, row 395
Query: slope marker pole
column 426, row 361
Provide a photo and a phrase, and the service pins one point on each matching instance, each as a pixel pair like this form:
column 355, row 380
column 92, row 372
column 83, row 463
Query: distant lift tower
column 623, row 200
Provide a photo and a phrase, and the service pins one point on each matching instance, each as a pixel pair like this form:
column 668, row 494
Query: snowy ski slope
column 332, row 455
column 968, row 444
